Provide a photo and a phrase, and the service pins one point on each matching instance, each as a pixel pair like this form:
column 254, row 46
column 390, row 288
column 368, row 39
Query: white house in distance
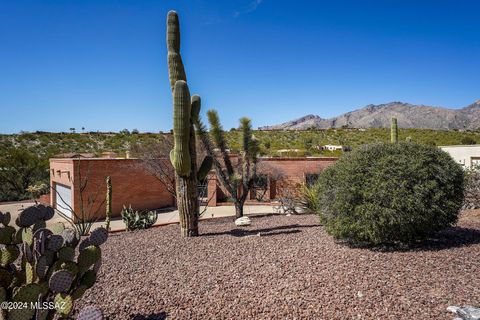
column 331, row 147
column 466, row 155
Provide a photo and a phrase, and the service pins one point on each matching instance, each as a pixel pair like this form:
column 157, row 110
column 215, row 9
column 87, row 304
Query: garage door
column 63, row 200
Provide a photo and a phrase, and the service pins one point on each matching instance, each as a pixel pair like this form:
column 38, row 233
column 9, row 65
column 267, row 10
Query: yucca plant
column 237, row 179
column 309, row 198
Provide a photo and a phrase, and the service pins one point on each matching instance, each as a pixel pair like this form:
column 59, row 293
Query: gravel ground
column 293, row 270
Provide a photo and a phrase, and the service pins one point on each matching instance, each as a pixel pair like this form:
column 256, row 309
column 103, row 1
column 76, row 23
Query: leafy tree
column 19, row 169
column 155, row 159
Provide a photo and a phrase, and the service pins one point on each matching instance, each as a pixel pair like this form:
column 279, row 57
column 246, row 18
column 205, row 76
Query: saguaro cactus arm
column 176, row 70
column 181, row 128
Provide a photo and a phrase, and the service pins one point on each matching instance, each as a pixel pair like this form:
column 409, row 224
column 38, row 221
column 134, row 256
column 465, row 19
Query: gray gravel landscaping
column 283, row 267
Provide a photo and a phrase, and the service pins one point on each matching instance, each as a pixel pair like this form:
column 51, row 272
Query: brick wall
column 131, row 184
column 282, row 173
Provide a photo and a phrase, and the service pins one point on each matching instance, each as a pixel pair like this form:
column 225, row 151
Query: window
column 311, row 179
column 259, row 188
column 203, row 188
column 260, row 182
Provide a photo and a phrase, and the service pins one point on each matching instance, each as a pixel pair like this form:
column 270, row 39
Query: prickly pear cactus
column 38, row 266
column 135, row 220
column 186, row 110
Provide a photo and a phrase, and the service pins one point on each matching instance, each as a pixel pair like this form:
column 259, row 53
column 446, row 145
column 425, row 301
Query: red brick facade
column 132, row 184
column 282, row 173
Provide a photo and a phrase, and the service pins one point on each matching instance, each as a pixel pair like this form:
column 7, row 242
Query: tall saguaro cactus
column 108, row 202
column 186, row 111
column 393, row 130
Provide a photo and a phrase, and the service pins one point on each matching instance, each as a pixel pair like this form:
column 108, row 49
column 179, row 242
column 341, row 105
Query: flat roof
column 461, row 146
column 263, row 158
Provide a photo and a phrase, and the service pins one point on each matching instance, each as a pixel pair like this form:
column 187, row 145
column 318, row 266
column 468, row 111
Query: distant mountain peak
column 378, row 115
column 309, row 117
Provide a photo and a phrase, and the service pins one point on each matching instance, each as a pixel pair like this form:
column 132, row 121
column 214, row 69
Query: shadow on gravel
column 154, row 316
column 266, row 232
column 450, row 238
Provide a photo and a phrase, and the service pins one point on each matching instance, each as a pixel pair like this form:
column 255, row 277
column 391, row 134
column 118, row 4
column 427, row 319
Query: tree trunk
column 238, row 210
column 187, row 195
column 187, row 206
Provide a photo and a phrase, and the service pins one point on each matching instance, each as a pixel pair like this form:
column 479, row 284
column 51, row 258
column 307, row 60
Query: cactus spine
column 186, row 111
column 108, row 203
column 393, row 130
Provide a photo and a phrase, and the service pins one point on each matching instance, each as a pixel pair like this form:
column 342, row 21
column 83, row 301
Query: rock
column 453, row 309
column 243, row 221
column 465, row 313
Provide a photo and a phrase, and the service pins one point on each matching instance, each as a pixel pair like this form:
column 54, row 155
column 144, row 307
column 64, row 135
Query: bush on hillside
column 390, row 193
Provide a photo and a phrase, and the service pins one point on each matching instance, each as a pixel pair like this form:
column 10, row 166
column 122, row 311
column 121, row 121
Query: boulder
column 465, row 313
column 243, row 221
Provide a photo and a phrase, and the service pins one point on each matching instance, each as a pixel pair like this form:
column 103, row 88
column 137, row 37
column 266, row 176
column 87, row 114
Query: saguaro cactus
column 108, row 203
column 186, row 111
column 393, row 130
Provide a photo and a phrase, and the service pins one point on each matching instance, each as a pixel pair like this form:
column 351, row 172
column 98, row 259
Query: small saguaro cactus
column 108, row 203
column 393, row 130
column 38, row 265
column 186, row 110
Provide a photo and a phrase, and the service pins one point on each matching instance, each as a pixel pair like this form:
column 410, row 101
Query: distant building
column 75, row 155
column 330, row 147
column 286, row 152
column 466, row 155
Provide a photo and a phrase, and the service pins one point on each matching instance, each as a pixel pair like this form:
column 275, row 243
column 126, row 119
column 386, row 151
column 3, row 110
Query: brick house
column 80, row 183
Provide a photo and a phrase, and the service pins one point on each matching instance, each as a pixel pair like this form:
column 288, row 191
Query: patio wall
column 132, row 184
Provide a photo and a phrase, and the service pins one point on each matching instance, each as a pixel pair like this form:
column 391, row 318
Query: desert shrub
column 309, row 198
column 134, row 219
column 472, row 187
column 468, row 140
column 288, row 201
column 387, row 193
column 21, row 168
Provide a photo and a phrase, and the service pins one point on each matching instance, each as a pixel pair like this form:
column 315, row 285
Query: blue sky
column 102, row 64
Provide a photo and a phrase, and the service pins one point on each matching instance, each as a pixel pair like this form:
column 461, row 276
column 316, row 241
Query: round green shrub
column 390, row 193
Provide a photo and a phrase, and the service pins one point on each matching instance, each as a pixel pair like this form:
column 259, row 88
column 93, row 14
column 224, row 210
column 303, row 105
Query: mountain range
column 377, row 116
